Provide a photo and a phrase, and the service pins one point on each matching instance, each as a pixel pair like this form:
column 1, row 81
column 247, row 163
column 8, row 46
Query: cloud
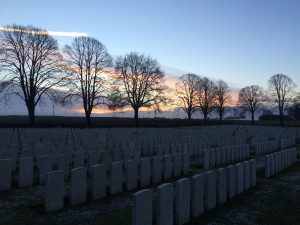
column 53, row 33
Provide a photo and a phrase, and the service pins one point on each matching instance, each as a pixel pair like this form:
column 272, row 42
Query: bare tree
column 186, row 92
column 88, row 62
column 250, row 99
column 32, row 65
column 115, row 101
column 141, row 81
column 223, row 98
column 281, row 89
column 294, row 110
column 206, row 97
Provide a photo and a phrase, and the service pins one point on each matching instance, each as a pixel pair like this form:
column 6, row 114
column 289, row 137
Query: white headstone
column 78, row 185
column 54, row 190
column 176, row 165
column 98, row 181
column 79, row 159
column 221, row 186
column 145, row 172
column 156, row 169
column 247, row 172
column 142, row 207
column 253, row 172
column 167, row 167
column 210, row 190
column 197, row 195
column 230, row 181
column 182, row 193
column 165, row 204
column 131, row 174
column 239, row 181
column 116, row 178
column 5, row 174
column 26, row 172
column 45, row 166
column 63, row 162
column 267, row 166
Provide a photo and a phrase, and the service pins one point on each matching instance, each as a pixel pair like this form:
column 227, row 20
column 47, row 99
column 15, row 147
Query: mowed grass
column 18, row 208
column 272, row 201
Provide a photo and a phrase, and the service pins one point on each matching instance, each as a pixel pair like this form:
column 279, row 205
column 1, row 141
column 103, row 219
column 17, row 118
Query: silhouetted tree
column 88, row 62
column 281, row 89
column 238, row 113
column 267, row 112
column 250, row 99
column 206, row 97
column 115, row 101
column 141, row 81
column 223, row 98
column 186, row 92
column 294, row 110
column 32, row 65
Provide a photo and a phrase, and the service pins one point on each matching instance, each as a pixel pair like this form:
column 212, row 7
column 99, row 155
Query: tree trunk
column 88, row 118
column 205, row 119
column 281, row 116
column 31, row 114
column 252, row 117
column 136, row 117
column 189, row 118
column 220, row 116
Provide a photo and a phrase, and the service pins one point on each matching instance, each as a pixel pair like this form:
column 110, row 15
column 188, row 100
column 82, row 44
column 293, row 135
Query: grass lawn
column 273, row 201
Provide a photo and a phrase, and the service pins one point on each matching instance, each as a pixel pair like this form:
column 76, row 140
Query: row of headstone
column 191, row 197
column 25, row 173
column 62, row 154
column 157, row 168
column 276, row 162
column 287, row 143
column 123, row 134
column 257, row 140
column 103, row 139
column 11, row 155
column 265, row 133
column 262, row 148
column 65, row 158
column 150, row 171
column 55, row 186
column 220, row 156
column 79, row 157
column 61, row 135
column 298, row 134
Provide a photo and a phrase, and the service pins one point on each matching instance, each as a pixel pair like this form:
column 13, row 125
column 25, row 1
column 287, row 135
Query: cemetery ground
column 274, row 200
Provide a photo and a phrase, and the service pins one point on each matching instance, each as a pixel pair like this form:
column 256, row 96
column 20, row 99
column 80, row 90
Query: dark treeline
column 33, row 68
column 116, row 122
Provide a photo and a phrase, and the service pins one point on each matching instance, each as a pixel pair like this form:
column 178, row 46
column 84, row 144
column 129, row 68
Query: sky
column 241, row 41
